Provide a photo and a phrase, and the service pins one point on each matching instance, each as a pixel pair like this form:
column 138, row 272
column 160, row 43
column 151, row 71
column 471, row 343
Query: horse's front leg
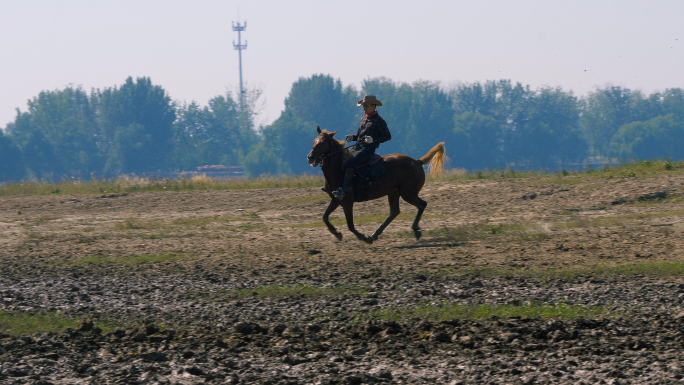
column 332, row 206
column 349, row 216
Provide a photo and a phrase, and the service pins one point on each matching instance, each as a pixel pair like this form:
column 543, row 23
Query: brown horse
column 405, row 177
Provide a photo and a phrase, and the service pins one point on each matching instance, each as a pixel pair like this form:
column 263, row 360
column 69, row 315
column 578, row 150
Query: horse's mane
column 331, row 134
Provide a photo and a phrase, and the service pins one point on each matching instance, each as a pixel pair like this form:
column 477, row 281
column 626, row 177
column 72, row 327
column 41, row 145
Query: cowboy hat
column 369, row 99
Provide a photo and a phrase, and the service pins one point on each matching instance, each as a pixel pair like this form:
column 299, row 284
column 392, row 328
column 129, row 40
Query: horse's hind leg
column 334, row 203
column 393, row 198
column 421, row 205
column 349, row 216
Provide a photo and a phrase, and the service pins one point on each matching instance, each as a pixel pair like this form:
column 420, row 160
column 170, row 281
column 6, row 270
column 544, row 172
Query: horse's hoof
column 368, row 240
column 375, row 236
column 338, row 236
column 417, row 233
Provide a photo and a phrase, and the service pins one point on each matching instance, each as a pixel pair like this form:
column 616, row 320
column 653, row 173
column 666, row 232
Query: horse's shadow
column 426, row 246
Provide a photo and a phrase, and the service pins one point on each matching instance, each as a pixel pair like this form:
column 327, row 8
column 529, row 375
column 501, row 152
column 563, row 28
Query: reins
column 330, row 152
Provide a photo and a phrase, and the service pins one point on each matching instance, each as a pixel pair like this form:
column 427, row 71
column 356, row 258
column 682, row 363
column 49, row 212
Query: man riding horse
column 372, row 131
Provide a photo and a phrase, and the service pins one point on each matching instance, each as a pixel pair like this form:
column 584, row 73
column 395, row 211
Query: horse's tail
column 435, row 158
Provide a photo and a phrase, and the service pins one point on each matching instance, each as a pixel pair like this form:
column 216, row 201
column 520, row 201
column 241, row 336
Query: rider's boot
column 346, row 184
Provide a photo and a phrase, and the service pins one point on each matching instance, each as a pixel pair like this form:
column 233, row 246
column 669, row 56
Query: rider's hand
column 368, row 139
column 349, row 138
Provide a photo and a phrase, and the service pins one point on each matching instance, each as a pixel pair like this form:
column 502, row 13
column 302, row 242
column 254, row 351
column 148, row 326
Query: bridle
column 319, row 159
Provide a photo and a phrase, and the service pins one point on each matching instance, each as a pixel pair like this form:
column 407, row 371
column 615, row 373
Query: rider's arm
column 381, row 133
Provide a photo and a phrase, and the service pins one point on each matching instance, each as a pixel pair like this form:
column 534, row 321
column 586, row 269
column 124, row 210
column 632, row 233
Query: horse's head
column 323, row 146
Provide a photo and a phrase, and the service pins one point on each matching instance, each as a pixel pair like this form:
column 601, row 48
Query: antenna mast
column 239, row 47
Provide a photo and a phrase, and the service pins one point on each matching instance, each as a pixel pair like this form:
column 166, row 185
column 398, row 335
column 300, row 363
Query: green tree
column 191, row 137
column 672, row 102
column 316, row 101
column 418, row 115
column 492, row 115
column 324, row 101
column 220, row 133
column 397, row 99
column 232, row 127
column 11, row 162
column 64, row 121
column 549, row 135
column 477, row 141
column 136, row 108
column 21, row 130
column 605, row 110
column 511, row 113
column 478, row 128
column 510, row 124
column 660, row 137
column 129, row 151
column 476, row 97
column 42, row 161
column 284, row 146
column 432, row 117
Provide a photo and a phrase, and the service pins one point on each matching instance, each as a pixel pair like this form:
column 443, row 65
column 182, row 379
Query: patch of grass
column 625, row 170
column 43, row 219
column 19, row 324
column 572, row 179
column 493, row 174
column 302, row 200
column 319, row 223
column 638, row 169
column 379, row 218
column 161, row 236
column 129, row 260
column 662, row 214
column 193, row 221
column 534, row 237
column 131, row 224
column 456, row 234
column 359, row 220
column 201, row 221
column 36, row 238
column 582, row 223
column 464, row 233
column 649, row 268
column 80, row 238
column 446, row 311
column 23, row 324
column 247, row 227
column 619, row 221
column 126, row 184
column 138, row 224
column 280, row 290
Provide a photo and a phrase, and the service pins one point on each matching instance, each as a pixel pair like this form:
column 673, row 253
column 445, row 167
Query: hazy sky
column 186, row 46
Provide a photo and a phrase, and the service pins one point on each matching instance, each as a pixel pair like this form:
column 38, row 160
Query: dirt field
column 250, row 287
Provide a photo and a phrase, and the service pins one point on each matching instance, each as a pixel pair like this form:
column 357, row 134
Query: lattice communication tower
column 239, row 47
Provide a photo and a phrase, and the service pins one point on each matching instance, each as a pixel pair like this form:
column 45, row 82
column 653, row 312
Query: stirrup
column 339, row 193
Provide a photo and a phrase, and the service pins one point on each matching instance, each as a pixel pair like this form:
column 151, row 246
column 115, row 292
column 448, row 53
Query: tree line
column 136, row 128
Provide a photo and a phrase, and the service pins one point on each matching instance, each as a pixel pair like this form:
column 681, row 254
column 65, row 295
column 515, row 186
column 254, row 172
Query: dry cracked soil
column 248, row 287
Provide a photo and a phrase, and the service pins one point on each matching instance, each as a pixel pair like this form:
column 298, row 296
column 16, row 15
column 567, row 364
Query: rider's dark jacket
column 375, row 127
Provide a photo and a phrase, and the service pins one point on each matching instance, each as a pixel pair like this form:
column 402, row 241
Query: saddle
column 366, row 172
column 371, row 169
column 372, row 160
